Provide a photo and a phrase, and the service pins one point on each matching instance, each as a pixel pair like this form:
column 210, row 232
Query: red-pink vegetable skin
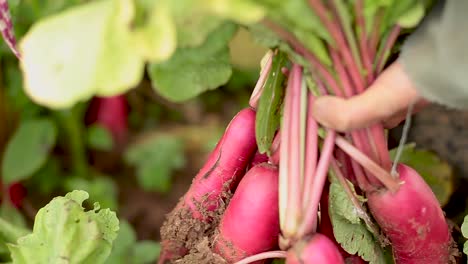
column 319, row 249
column 221, row 173
column 413, row 221
column 227, row 163
column 250, row 224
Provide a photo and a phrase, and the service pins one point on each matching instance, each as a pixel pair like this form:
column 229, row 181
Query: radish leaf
column 84, row 51
column 9, row 233
column 155, row 159
column 349, row 230
column 64, row 230
column 99, row 138
column 102, row 189
column 127, row 250
column 28, row 149
column 156, row 39
column 192, row 71
column 269, row 106
column 464, row 230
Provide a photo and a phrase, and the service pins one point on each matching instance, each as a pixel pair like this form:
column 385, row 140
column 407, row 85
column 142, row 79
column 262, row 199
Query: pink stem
column 392, row 37
column 343, row 76
column 341, row 45
column 284, row 157
column 353, row 70
column 265, row 255
column 292, row 162
column 363, row 45
column 384, row 177
column 381, row 145
column 374, row 35
column 294, row 173
column 315, row 63
column 275, row 149
column 309, row 222
column 358, row 136
column 258, row 90
column 360, row 176
column 311, row 151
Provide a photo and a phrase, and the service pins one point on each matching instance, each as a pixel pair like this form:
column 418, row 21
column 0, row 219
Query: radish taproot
column 250, row 224
column 319, row 249
column 199, row 209
column 413, row 221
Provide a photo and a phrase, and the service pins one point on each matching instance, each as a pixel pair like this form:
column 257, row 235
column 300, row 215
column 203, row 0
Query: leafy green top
column 64, row 232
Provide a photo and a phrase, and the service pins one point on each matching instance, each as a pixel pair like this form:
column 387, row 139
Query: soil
column 202, row 253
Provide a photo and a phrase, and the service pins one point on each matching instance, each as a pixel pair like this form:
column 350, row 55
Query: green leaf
column 63, row 230
column 316, row 45
column 155, row 159
column 49, row 178
column 437, row 173
column 9, row 232
column 279, row 261
column 406, row 11
column 464, row 230
column 297, row 15
column 84, row 51
column 194, row 23
column 99, row 138
column 242, row 11
column 349, row 230
column 10, row 214
column 192, row 71
column 28, row 149
column 370, row 9
column 102, row 189
column 127, row 250
column 123, row 244
column 269, row 106
column 157, row 38
column 146, row 251
column 412, row 16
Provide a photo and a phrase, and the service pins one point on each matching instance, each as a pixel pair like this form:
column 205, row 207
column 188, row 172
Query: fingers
column 390, row 94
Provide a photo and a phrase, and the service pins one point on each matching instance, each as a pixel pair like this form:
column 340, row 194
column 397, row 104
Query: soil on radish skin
column 202, row 253
column 185, row 231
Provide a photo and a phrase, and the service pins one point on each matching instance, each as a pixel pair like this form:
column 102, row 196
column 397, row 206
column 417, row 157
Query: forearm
column 436, row 56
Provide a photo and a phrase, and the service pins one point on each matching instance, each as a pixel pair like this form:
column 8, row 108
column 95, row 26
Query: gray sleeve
column 435, row 56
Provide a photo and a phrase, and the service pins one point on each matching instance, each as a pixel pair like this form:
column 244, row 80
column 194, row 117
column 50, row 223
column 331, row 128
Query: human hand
column 387, row 101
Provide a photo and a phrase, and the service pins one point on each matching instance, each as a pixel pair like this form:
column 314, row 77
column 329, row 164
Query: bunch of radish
column 252, row 204
column 263, row 192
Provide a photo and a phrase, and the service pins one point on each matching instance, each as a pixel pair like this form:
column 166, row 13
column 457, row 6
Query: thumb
column 390, row 94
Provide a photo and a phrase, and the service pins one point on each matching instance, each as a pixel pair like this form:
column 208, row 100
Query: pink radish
column 413, row 221
column 319, row 249
column 221, row 173
column 250, row 224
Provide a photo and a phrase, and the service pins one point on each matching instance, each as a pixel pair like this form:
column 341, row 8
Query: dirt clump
column 202, row 253
column 187, row 239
